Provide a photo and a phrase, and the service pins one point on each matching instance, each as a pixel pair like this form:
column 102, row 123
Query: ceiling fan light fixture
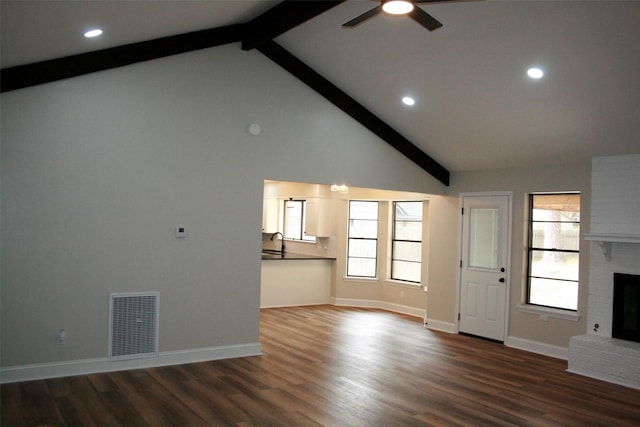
column 397, row 7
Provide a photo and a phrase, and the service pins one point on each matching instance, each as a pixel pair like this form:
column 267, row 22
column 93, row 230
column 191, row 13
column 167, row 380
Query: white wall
column 97, row 171
column 615, row 205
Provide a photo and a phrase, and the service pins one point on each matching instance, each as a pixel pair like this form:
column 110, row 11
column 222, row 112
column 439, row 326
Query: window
column 363, row 239
column 406, row 245
column 554, row 236
column 295, row 212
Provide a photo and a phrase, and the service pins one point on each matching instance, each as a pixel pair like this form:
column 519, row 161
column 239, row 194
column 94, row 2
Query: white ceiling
column 475, row 106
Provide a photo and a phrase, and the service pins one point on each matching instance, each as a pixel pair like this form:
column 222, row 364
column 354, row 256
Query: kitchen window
column 295, row 216
column 554, row 237
column 363, row 239
column 406, row 245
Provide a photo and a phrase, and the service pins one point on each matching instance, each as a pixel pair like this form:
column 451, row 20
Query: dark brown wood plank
column 334, row 366
column 27, row 75
column 281, row 18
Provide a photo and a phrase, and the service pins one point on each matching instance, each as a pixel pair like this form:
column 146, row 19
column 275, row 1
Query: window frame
column 394, row 222
column 349, row 239
column 302, row 225
column 531, row 250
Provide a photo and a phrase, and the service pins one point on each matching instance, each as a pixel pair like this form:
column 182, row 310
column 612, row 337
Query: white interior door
column 483, row 267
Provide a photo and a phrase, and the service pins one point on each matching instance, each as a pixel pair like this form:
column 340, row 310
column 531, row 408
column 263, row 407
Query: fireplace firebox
column 626, row 307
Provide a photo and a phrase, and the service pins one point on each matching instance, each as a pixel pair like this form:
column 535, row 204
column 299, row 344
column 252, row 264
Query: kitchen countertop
column 287, row 256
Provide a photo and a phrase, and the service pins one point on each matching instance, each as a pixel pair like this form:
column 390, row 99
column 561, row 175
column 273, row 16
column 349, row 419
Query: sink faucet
column 282, row 236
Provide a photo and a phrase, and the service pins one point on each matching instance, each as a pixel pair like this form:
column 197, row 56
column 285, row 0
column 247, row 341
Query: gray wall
column 97, row 171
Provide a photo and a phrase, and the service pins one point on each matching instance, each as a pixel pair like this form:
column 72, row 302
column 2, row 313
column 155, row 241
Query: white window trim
column 543, row 312
column 360, row 279
column 403, row 283
column 391, row 233
column 377, row 239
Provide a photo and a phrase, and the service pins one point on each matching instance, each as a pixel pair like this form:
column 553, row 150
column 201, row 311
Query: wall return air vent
column 133, row 325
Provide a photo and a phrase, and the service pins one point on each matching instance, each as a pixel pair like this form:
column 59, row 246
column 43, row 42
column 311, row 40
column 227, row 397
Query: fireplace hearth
column 626, row 304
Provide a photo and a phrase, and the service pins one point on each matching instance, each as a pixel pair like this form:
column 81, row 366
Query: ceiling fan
column 400, row 7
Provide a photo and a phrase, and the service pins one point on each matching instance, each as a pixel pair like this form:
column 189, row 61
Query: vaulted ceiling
column 475, row 106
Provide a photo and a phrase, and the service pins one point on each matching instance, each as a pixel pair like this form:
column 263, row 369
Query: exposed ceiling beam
column 71, row 66
column 274, row 22
column 259, row 34
column 324, row 87
column 280, row 19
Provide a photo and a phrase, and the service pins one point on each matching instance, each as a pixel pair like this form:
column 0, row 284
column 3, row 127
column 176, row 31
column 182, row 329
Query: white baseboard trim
column 383, row 305
column 40, row 371
column 439, row 325
column 538, row 347
column 311, row 304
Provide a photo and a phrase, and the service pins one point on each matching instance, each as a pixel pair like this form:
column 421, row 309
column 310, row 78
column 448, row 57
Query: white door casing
column 484, row 264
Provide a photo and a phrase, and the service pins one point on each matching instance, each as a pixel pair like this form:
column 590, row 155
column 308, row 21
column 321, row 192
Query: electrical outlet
column 61, row 336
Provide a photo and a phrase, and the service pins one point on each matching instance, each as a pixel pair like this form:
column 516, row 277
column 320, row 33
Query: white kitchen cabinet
column 270, row 212
column 319, row 219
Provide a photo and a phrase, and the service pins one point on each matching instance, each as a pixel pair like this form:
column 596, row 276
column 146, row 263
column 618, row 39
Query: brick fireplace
column 615, row 240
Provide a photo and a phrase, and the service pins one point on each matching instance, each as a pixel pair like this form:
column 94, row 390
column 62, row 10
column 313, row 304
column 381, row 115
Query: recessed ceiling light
column 535, row 73
column 93, row 33
column 407, row 100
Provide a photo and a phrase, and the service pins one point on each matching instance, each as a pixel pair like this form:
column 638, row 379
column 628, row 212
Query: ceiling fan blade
column 424, row 19
column 359, row 19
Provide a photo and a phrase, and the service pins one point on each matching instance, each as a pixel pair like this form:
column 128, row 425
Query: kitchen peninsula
column 295, row 279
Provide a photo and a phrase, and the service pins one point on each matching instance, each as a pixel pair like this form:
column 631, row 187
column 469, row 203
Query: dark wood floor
column 335, row 366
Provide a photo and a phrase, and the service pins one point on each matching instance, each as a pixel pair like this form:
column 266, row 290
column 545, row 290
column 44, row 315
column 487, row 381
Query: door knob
column 501, row 280
column 502, row 270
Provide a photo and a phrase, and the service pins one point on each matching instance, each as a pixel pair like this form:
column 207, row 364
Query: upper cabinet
column 319, row 218
column 270, row 214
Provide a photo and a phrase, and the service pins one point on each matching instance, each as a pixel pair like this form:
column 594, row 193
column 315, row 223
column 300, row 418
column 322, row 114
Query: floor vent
column 133, row 325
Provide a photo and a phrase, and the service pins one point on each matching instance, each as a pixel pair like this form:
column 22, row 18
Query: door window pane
column 484, row 238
